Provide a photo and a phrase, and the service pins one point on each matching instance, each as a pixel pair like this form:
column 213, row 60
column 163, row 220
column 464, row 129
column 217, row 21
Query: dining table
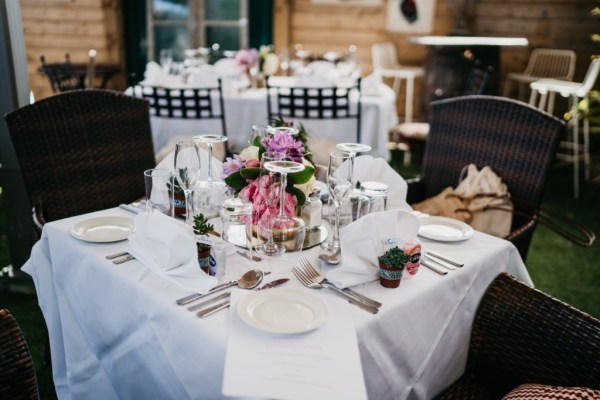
column 116, row 331
column 247, row 106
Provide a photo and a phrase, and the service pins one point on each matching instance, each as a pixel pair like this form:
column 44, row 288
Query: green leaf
column 236, row 181
column 250, row 173
column 300, row 197
column 301, row 176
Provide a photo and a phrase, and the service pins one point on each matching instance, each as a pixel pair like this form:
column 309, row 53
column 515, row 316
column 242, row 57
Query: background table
column 116, row 332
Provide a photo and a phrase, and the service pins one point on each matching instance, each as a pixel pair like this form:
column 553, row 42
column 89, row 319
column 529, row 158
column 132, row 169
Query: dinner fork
column 314, row 276
column 298, row 273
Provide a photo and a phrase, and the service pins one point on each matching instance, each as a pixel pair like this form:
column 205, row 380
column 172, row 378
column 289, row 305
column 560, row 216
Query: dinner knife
column 440, row 262
column 273, row 284
column 209, row 301
column 445, row 258
column 213, row 309
column 433, row 268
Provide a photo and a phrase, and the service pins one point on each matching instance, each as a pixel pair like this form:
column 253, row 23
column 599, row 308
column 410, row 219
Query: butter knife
column 444, row 258
column 440, row 262
column 210, row 301
column 213, row 309
column 433, row 268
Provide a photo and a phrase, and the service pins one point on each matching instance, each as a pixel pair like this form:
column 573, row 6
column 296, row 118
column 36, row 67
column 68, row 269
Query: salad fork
column 298, row 273
column 314, row 276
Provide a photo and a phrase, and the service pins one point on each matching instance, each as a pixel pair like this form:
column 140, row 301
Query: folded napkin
column 168, row 247
column 367, row 168
column 370, row 85
column 360, row 241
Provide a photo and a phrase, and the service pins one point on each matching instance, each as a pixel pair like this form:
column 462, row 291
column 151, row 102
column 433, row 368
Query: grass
column 557, row 267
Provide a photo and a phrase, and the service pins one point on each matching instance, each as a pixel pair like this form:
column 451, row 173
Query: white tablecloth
column 116, row 332
column 247, row 108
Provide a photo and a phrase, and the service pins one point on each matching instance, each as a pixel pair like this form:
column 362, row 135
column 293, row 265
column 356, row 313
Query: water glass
column 166, row 59
column 236, row 215
column 376, row 192
column 157, row 183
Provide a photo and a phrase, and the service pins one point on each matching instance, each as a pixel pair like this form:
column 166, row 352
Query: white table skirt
column 247, row 108
column 116, row 332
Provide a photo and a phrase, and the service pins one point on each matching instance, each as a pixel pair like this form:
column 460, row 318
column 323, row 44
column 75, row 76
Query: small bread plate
column 283, row 311
column 444, row 229
column 103, row 229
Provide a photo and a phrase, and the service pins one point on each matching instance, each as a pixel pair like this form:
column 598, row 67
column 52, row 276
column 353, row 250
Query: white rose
column 307, row 187
column 250, row 153
column 271, row 64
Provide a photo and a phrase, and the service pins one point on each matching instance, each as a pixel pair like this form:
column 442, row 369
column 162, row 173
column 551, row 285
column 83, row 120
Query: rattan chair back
column 62, row 75
column 521, row 335
column 515, row 139
column 314, row 103
column 82, row 151
column 17, row 375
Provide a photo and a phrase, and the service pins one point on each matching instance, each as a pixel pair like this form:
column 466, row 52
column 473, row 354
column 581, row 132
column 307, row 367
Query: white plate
column 103, row 229
column 444, row 229
column 285, row 311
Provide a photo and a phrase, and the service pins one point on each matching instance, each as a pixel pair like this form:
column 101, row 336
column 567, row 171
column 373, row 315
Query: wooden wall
column 55, row 27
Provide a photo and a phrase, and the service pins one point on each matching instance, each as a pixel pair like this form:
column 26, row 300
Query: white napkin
column 369, row 85
column 367, row 168
column 203, row 77
column 155, row 76
column 168, row 247
column 359, row 242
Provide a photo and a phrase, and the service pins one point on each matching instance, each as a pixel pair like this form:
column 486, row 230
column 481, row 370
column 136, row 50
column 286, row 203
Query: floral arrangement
column 242, row 173
column 264, row 60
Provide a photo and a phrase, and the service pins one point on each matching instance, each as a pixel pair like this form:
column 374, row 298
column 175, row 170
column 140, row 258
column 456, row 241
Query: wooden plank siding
column 55, row 27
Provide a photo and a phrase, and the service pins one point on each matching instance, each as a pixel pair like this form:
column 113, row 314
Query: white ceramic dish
column 283, row 311
column 103, row 229
column 444, row 229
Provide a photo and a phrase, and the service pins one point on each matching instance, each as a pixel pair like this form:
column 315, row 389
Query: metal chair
column 516, row 140
column 385, row 62
column 82, row 151
column 17, row 375
column 521, row 335
column 62, row 76
column 315, row 103
column 543, row 63
column 575, row 151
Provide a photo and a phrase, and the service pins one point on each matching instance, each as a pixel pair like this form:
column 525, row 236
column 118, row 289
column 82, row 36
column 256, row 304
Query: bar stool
column 385, row 61
column 575, row 152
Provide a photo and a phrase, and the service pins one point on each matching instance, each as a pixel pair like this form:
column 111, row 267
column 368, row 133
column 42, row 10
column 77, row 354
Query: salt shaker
column 312, row 209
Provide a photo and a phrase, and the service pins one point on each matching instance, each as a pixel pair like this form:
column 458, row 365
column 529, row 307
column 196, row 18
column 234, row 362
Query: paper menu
column 321, row 364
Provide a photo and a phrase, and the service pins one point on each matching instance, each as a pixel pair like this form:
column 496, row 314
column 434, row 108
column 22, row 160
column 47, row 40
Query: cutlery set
column 440, row 264
column 125, row 256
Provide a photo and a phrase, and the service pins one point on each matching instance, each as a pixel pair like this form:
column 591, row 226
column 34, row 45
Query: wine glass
column 187, row 171
column 210, row 193
column 339, row 183
column 287, row 129
column 258, row 131
column 166, row 59
column 287, row 232
column 358, row 202
column 266, row 201
column 210, row 140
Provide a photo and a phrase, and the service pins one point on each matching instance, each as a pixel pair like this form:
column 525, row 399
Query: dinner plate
column 103, row 229
column 286, row 311
column 445, row 229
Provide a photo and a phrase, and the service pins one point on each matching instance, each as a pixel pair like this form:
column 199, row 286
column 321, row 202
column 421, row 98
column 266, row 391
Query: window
column 189, row 24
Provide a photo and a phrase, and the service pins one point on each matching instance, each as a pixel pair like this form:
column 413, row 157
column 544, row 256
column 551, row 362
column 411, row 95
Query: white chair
column 543, row 63
column 575, row 152
column 385, row 61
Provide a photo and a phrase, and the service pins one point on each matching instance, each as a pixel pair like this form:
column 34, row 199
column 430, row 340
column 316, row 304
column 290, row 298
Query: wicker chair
column 516, row 140
column 521, row 335
column 82, row 151
column 17, row 376
column 312, row 103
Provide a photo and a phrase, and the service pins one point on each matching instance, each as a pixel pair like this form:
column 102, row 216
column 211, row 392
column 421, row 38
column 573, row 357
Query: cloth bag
column 480, row 199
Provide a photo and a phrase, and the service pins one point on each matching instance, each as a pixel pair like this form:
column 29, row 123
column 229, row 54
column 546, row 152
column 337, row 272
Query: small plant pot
column 389, row 276
column 178, row 204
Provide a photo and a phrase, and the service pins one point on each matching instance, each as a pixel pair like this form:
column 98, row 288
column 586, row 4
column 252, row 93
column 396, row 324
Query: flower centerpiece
column 242, row 173
column 257, row 64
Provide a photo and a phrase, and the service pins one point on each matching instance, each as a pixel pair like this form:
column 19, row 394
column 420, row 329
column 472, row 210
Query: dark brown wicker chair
column 17, row 376
column 516, row 140
column 521, row 335
column 82, row 151
column 308, row 103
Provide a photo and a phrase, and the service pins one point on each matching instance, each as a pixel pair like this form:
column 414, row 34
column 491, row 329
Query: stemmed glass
column 288, row 129
column 210, row 192
column 210, row 140
column 339, row 183
column 290, row 230
column 264, row 223
column 357, row 200
column 187, row 171
column 258, row 131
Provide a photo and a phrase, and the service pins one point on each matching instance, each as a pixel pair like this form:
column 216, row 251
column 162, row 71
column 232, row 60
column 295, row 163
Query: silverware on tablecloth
column 305, row 280
column 209, row 301
column 314, row 275
column 251, row 257
column 445, row 258
column 273, row 284
column 249, row 280
column 131, row 208
column 440, row 262
column 433, row 267
column 128, row 257
column 116, row 255
column 211, row 310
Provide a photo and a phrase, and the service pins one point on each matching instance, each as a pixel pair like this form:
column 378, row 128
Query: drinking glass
column 339, row 183
column 187, row 172
column 286, row 231
column 377, row 194
column 288, row 129
column 166, row 59
column 236, row 215
column 356, row 204
column 258, row 131
column 157, row 183
column 210, row 193
column 264, row 203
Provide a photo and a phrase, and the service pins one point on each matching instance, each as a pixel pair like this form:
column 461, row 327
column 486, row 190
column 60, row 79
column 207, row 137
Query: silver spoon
column 249, row 280
column 330, row 259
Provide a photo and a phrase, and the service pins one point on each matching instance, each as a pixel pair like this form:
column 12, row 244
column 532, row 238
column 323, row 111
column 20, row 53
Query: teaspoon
column 249, row 280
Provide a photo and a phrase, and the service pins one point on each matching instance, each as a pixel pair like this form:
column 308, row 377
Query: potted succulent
column 391, row 266
column 202, row 228
column 178, row 197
